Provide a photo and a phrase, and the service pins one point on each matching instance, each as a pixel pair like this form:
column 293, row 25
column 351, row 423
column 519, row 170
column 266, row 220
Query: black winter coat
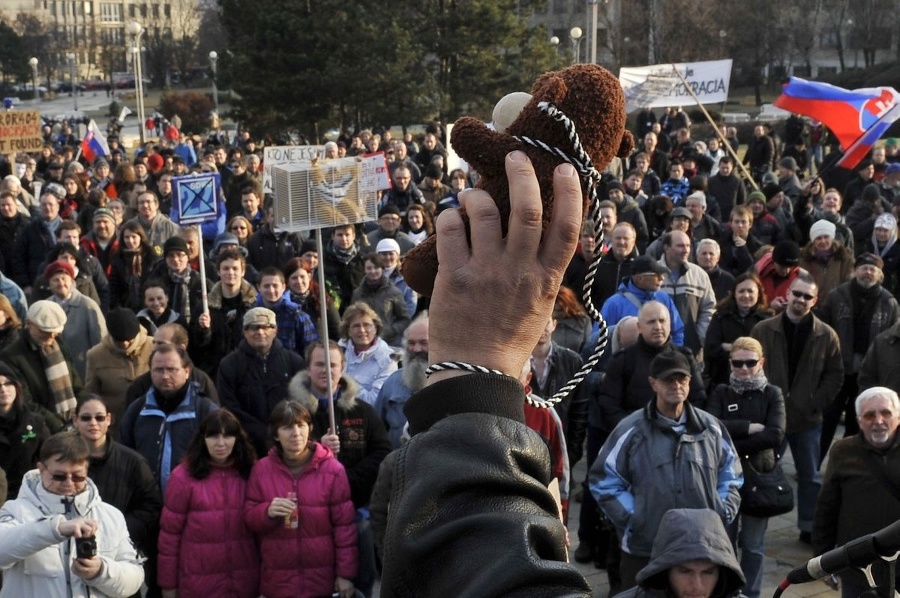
column 625, row 388
column 251, row 386
column 126, row 482
column 738, row 411
column 21, row 435
column 726, row 325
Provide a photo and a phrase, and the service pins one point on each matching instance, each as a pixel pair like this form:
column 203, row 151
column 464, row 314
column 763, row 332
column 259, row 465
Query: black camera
column 85, row 548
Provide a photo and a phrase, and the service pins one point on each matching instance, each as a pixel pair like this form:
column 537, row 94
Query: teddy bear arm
column 483, row 149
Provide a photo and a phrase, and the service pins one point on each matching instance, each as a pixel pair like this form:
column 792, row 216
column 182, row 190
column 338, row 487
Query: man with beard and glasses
column 404, row 382
column 858, row 310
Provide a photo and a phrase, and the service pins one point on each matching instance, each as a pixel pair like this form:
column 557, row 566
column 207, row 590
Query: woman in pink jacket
column 204, row 547
column 298, row 504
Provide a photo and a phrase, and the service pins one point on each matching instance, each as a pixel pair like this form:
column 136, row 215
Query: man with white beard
column 404, row 382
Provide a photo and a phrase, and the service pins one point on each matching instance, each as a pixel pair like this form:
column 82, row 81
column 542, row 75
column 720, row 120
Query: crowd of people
column 247, row 456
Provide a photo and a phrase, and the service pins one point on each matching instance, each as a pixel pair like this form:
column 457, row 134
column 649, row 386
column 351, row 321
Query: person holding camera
column 58, row 538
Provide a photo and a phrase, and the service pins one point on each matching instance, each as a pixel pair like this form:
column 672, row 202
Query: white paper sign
column 374, row 174
column 658, row 86
column 287, row 154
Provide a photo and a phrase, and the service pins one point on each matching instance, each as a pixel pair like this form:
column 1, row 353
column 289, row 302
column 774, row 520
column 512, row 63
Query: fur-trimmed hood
column 248, row 295
column 299, row 390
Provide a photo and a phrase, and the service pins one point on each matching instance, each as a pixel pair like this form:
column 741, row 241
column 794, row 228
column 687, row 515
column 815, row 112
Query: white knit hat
column 821, row 227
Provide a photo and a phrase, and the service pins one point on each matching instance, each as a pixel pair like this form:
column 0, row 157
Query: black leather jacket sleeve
column 473, row 479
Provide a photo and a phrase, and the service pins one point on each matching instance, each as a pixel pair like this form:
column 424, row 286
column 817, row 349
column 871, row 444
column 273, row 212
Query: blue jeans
column 805, row 450
column 751, row 537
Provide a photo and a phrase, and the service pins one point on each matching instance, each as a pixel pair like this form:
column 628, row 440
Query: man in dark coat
column 254, row 378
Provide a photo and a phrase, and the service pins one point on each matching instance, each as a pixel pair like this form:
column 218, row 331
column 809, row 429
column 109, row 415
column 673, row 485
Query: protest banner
column 20, row 131
column 280, row 155
column 659, row 86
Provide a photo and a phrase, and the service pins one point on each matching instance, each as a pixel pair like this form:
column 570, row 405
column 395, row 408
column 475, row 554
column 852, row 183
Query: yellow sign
column 20, row 131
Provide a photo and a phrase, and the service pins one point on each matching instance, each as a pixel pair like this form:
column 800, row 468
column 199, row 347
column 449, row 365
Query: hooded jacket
column 647, row 467
column 687, row 535
column 364, row 441
column 829, row 274
column 303, row 562
column 34, row 556
column 621, row 304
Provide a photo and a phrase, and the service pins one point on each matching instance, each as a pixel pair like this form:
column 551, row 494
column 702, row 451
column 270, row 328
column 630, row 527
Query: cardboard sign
column 280, row 155
column 194, row 198
column 20, row 131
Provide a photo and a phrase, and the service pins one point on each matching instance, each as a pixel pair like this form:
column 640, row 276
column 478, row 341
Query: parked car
column 66, row 87
column 97, row 84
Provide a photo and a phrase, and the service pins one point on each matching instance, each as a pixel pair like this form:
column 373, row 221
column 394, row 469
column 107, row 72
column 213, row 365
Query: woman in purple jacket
column 204, row 547
column 298, row 504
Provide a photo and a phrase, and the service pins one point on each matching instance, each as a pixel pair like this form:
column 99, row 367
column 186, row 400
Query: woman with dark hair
column 121, row 187
column 10, row 324
column 131, row 264
column 573, row 326
column 298, row 504
column 75, row 198
column 21, row 431
column 304, row 290
column 204, row 546
column 157, row 310
column 122, row 476
column 417, row 223
column 735, row 316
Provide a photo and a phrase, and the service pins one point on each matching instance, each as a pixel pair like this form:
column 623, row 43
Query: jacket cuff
column 502, row 396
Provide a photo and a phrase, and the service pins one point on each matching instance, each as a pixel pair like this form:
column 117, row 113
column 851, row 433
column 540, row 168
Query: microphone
column 856, row 553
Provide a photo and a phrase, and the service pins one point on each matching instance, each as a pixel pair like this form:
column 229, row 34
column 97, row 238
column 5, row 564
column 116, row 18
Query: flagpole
column 715, row 127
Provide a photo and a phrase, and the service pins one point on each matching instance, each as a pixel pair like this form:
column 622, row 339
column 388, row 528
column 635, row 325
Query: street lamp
column 213, row 59
column 575, row 33
column 70, row 58
column 722, row 35
column 33, row 63
column 136, row 30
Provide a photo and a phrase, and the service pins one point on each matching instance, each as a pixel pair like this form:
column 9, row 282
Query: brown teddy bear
column 588, row 95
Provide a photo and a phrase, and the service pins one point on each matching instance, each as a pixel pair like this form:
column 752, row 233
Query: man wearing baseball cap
column 254, row 378
column 858, row 310
column 635, row 493
column 45, row 369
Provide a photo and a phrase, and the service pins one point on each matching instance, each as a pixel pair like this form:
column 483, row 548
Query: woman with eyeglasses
column 122, row 476
column 754, row 415
column 736, row 315
column 21, row 431
column 204, row 546
column 368, row 357
column 240, row 227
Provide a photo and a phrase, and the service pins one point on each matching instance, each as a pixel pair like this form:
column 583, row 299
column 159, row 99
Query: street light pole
column 70, row 57
column 575, row 33
column 136, row 30
column 213, row 59
column 594, row 7
column 33, row 63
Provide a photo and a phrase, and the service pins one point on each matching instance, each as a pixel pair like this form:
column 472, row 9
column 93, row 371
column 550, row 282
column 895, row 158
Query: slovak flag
column 857, row 117
column 94, row 143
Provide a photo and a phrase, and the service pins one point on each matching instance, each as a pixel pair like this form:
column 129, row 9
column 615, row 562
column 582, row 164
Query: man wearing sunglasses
column 43, row 533
column 803, row 359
